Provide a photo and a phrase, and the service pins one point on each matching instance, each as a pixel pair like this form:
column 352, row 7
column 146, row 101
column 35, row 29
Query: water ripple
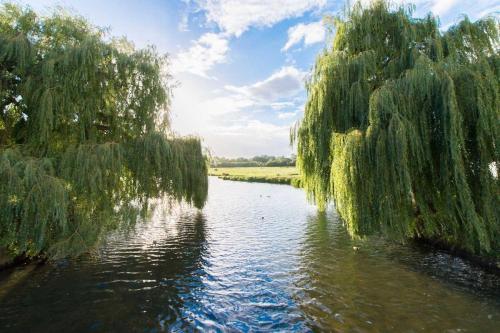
column 257, row 259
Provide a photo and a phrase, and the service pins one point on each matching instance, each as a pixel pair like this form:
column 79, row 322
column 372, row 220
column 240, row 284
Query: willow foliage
column 401, row 128
column 83, row 141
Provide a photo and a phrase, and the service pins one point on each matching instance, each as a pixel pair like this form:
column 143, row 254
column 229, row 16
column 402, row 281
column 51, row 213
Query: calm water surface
column 258, row 258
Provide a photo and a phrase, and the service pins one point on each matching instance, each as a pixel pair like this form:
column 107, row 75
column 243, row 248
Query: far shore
column 274, row 175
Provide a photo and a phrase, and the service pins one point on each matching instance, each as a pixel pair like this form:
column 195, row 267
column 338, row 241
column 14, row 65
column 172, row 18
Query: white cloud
column 193, row 103
column 257, row 128
column 285, row 83
column 309, row 33
column 249, row 138
column 287, row 115
column 223, row 105
column 441, row 7
column 450, row 11
column 234, row 130
column 281, row 105
column 209, row 50
column 183, row 23
column 273, row 93
column 235, row 16
column 230, row 120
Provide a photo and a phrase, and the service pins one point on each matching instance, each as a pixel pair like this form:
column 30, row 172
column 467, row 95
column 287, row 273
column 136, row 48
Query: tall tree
column 401, row 128
column 84, row 140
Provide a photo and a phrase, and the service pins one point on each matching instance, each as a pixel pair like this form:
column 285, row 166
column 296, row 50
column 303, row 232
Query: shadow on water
column 139, row 283
column 373, row 285
column 457, row 272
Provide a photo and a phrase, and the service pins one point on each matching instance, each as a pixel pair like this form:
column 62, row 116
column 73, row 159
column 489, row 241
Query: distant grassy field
column 276, row 175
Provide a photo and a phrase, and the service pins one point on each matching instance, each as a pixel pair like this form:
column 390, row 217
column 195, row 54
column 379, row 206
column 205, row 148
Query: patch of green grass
column 275, row 175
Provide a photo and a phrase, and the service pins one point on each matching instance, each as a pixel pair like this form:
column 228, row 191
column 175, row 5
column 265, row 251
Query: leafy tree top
column 401, row 127
column 84, row 141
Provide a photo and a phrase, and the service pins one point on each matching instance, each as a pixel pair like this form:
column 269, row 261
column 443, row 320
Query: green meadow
column 276, row 175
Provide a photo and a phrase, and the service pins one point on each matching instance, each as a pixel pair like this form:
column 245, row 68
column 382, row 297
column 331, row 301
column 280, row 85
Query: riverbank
column 8, row 260
column 5, row 259
column 487, row 263
column 274, row 175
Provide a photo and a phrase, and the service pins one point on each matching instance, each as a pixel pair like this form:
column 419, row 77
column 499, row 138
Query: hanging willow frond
column 83, row 145
column 401, row 128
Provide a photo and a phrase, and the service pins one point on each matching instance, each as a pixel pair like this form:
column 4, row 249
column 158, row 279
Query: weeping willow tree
column 401, row 128
column 84, row 141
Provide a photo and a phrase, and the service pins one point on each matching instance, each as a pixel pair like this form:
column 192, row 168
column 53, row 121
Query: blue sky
column 240, row 64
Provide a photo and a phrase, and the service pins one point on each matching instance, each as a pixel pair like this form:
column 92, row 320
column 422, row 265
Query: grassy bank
column 275, row 175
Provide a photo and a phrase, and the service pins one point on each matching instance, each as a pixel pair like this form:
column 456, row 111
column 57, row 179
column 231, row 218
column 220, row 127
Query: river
column 257, row 258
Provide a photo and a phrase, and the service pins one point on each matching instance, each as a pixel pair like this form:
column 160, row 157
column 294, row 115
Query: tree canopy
column 401, row 127
column 84, row 134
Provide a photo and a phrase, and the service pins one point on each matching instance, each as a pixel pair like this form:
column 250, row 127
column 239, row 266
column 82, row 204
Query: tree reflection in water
column 366, row 289
column 145, row 276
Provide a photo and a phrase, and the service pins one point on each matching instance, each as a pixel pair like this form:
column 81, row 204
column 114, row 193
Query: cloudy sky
column 240, row 64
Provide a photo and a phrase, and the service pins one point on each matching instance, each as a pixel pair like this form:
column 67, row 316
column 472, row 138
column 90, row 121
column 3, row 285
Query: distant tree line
column 256, row 161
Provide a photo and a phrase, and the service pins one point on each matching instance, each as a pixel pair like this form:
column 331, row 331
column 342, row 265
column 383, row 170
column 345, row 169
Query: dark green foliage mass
column 83, row 134
column 401, row 128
